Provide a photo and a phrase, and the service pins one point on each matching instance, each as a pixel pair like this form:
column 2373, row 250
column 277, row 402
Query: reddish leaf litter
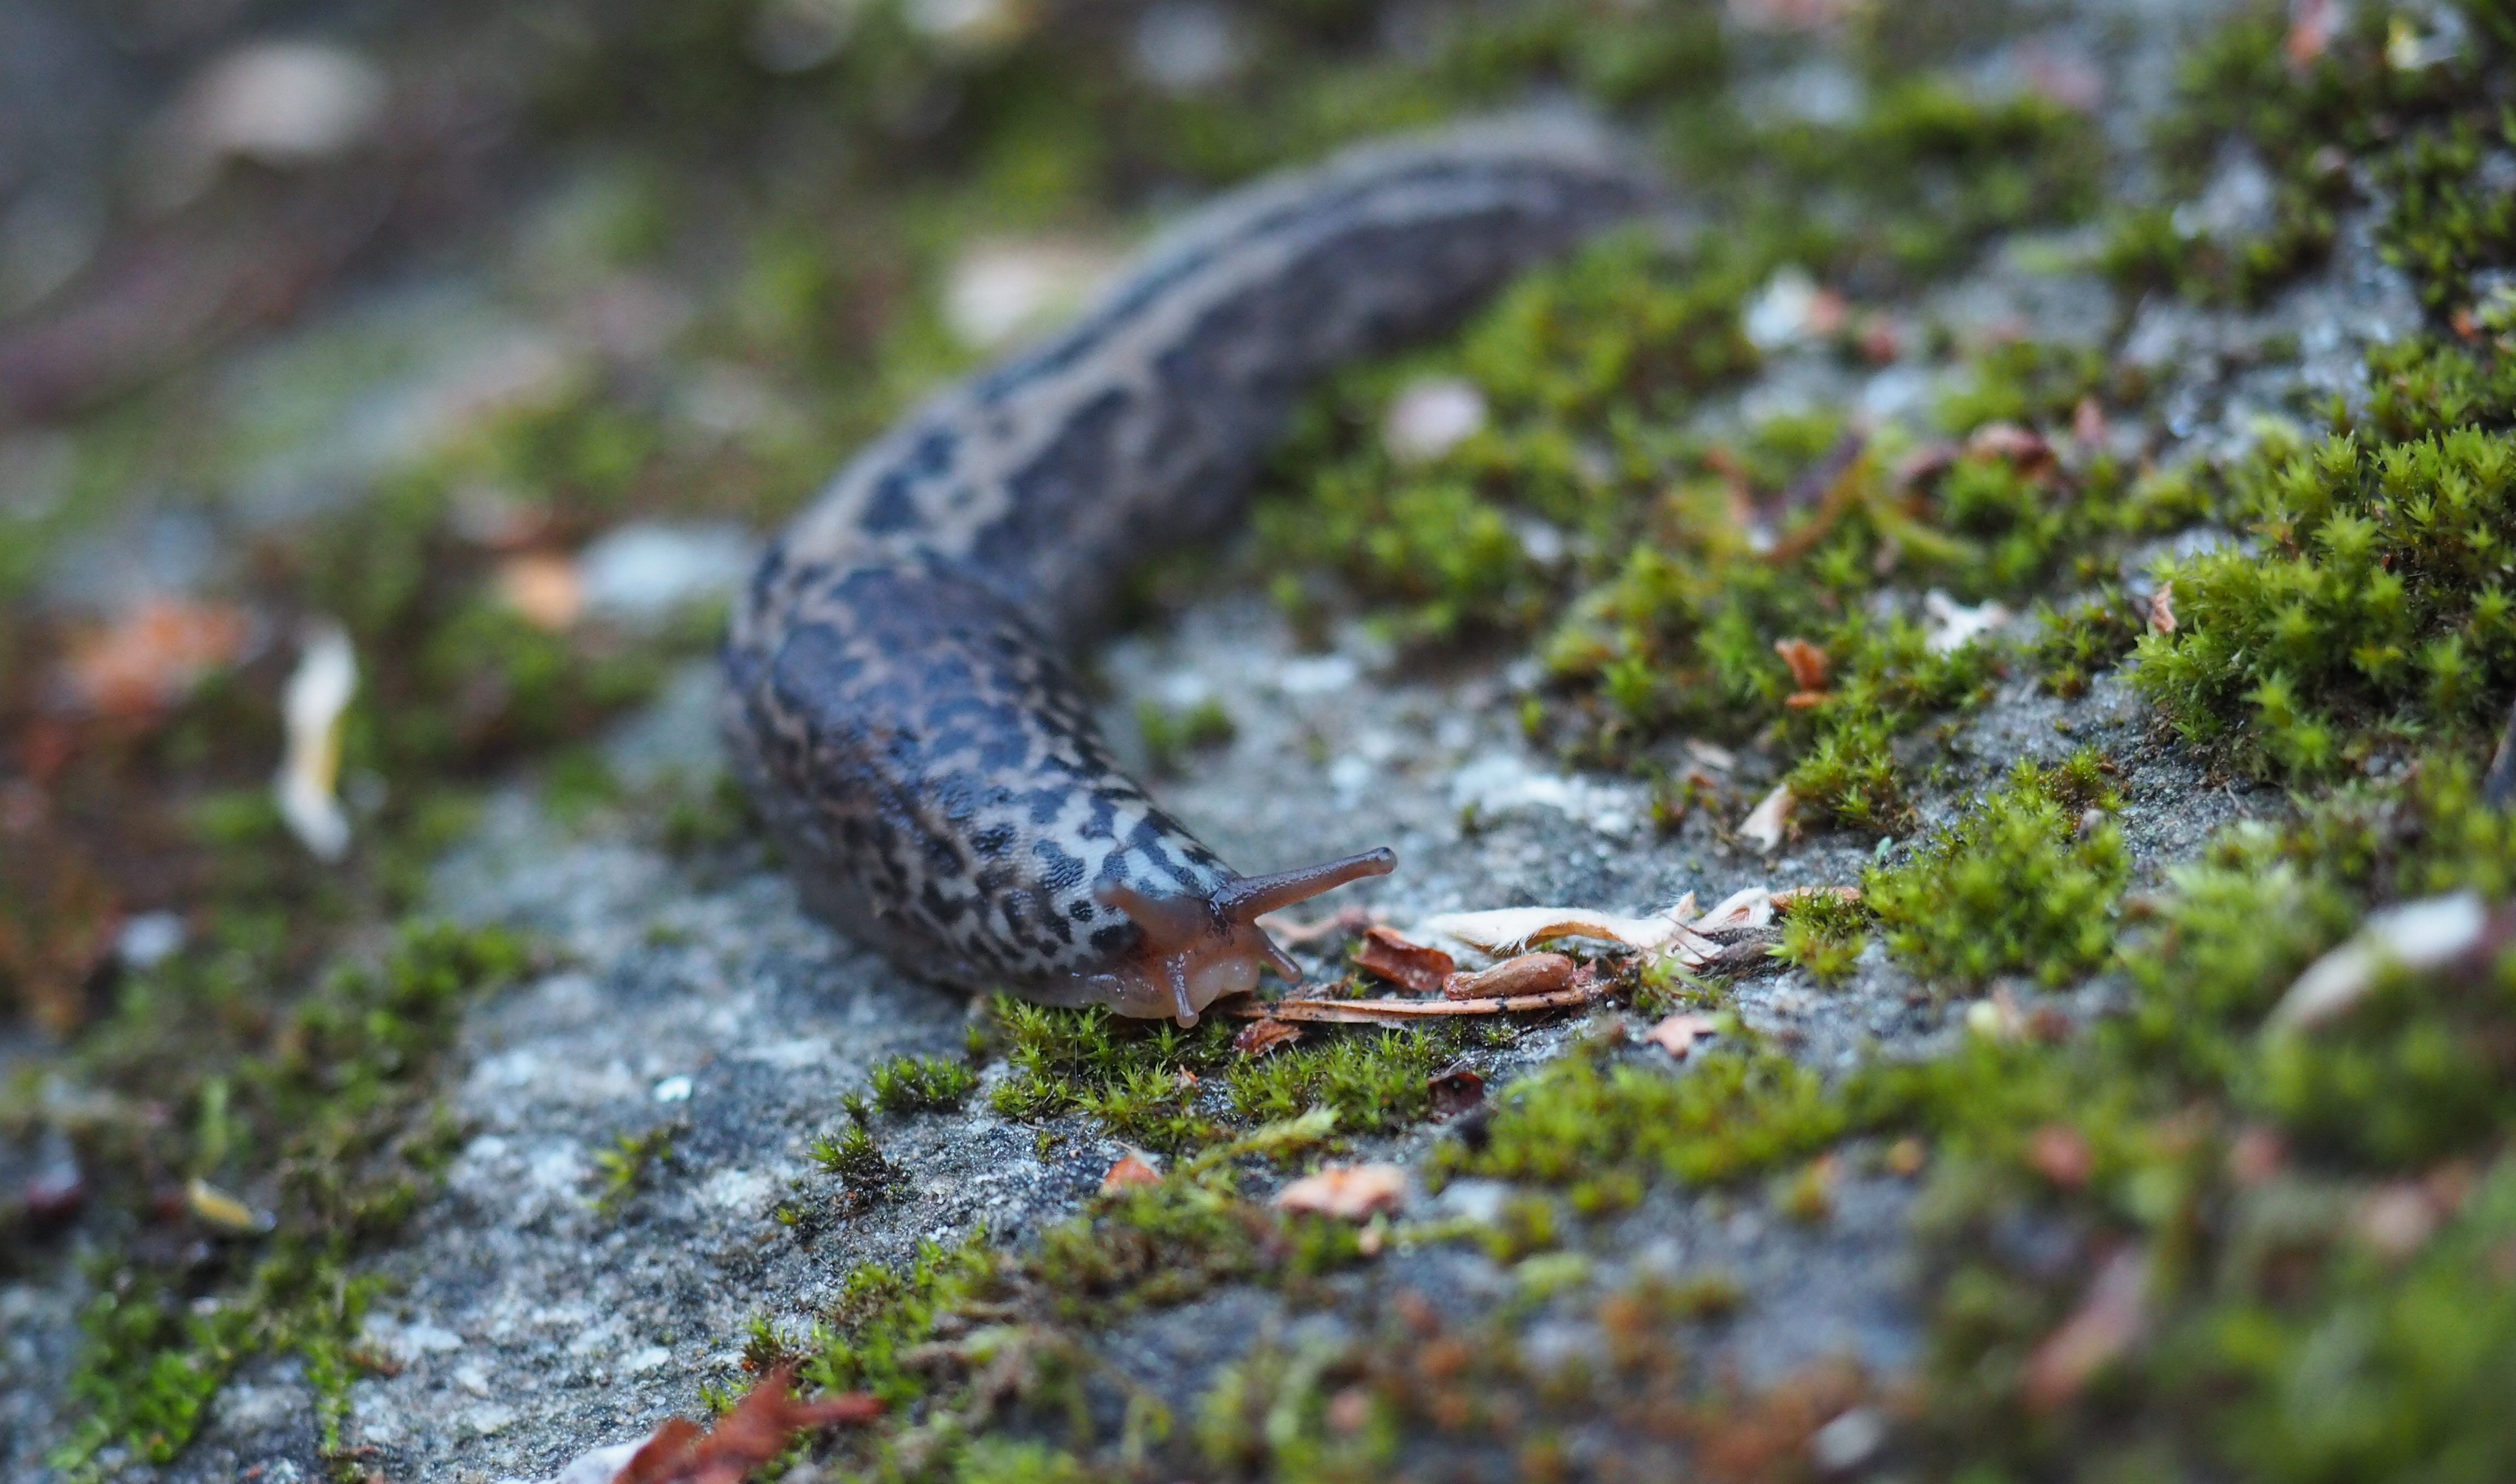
column 756, row 1430
column 1127, row 1174
column 1347, row 1192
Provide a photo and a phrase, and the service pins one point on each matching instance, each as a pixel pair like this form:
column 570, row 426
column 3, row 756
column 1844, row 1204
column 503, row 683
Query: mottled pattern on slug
column 896, row 705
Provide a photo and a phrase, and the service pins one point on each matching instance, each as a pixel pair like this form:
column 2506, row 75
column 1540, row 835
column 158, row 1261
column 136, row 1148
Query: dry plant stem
column 1381, row 1013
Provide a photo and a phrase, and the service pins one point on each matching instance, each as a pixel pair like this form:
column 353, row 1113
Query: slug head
column 1193, row 951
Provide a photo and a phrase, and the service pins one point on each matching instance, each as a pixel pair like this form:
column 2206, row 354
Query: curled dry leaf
column 317, row 698
column 1513, row 978
column 1347, row 1192
column 1809, row 663
column 152, row 655
column 2107, row 1323
column 756, row 1430
column 1769, row 820
column 1263, row 1035
column 1408, row 964
column 1678, row 1033
column 1127, row 1174
column 2162, row 609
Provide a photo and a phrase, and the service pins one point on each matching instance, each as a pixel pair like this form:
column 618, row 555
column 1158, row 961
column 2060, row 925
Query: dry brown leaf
column 1127, row 1174
column 2162, row 610
column 2310, row 31
column 1809, row 663
column 543, row 588
column 1409, row 965
column 2088, row 423
column 756, row 1430
column 1513, row 978
column 152, row 656
column 1678, row 1033
column 1265, row 1035
column 2059, row 1154
column 1348, row 1192
column 1345, row 921
column 2023, row 448
column 2107, row 1323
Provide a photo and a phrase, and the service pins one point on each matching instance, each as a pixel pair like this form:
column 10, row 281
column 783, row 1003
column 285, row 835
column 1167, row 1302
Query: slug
column 895, row 701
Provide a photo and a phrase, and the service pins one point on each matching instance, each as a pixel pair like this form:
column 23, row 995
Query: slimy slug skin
column 897, row 705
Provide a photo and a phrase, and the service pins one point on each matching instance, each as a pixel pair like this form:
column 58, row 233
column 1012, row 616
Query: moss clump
column 629, row 1165
column 1170, row 736
column 1823, row 934
column 2015, row 885
column 1604, row 1133
column 2373, row 607
column 922, row 1083
column 322, row 1127
column 1174, row 1090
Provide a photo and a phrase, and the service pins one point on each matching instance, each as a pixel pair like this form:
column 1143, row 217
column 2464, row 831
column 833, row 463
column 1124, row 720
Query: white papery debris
column 312, row 707
column 997, row 291
column 1432, row 416
column 1951, row 625
column 1770, row 820
column 1678, row 929
column 2415, row 935
column 283, row 103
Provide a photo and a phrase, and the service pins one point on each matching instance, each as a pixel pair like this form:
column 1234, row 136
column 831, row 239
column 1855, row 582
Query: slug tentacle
column 896, row 703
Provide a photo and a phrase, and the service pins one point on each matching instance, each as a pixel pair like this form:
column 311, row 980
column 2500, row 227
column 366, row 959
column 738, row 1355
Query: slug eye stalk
column 1194, row 950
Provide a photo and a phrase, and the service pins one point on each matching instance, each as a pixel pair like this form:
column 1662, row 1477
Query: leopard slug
column 896, row 705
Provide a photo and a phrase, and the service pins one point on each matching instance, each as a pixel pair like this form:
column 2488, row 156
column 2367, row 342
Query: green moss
column 1603, row 1133
column 922, row 1083
column 2373, row 607
column 1823, row 934
column 630, row 1165
column 323, row 1123
column 1170, row 736
column 2015, row 885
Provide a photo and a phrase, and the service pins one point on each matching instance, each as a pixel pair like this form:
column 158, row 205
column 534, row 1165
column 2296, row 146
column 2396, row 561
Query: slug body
column 897, row 702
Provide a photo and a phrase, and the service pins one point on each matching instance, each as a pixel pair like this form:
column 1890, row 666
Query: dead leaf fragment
column 1261, row 1036
column 1410, row 966
column 2310, row 31
column 152, row 655
column 1347, row 1192
column 1678, row 1033
column 2061, row 1155
column 1526, row 974
column 2107, row 1323
column 2162, row 609
column 756, row 1430
column 1809, row 663
column 1769, row 820
column 2022, row 449
column 1127, row 1174
column 546, row 590
column 2088, row 423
